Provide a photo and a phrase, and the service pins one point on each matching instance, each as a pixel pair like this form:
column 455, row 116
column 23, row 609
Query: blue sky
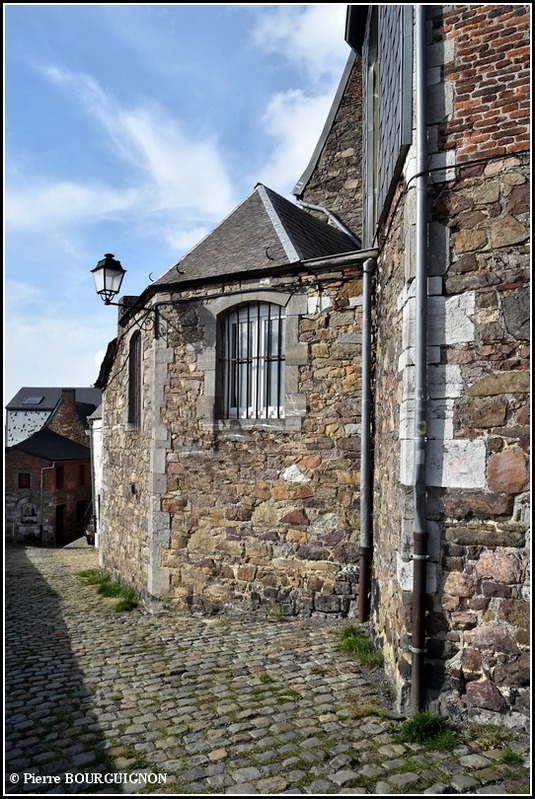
column 135, row 129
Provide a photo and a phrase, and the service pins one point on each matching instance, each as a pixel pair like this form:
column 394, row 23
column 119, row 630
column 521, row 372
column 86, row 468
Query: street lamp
column 108, row 275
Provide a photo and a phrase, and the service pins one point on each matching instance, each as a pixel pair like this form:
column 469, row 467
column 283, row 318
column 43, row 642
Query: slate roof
column 52, row 447
column 264, row 231
column 51, row 397
column 106, row 364
column 97, row 413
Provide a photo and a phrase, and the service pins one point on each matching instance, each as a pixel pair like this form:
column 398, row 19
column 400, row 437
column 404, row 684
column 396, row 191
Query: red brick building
column 48, row 486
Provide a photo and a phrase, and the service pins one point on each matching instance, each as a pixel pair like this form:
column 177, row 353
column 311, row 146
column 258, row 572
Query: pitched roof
column 264, row 231
column 83, row 412
column 53, row 447
column 107, row 364
column 26, row 398
column 97, row 413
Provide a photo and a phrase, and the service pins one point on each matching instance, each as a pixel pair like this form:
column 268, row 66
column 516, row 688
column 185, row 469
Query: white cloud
column 295, row 122
column 310, row 36
column 42, row 207
column 183, row 172
column 166, row 169
column 52, row 350
column 183, row 241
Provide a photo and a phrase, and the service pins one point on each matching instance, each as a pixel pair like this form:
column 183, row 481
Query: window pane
column 134, row 381
column 24, row 480
column 253, row 361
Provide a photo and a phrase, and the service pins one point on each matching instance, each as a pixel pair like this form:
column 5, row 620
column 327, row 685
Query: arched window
column 134, row 382
column 253, row 361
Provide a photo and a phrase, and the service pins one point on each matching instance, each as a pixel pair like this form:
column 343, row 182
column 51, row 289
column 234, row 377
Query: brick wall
column 30, row 513
column 491, row 72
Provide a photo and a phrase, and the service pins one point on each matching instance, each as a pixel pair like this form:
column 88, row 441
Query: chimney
column 63, row 419
column 67, row 402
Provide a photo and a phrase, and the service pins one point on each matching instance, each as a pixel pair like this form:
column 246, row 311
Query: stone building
column 48, row 490
column 325, row 409
column 230, row 428
column 63, row 409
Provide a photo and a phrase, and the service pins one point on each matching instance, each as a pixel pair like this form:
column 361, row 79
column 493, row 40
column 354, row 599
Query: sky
column 135, row 130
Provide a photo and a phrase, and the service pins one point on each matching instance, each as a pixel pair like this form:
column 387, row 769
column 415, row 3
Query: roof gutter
column 352, row 258
column 355, row 258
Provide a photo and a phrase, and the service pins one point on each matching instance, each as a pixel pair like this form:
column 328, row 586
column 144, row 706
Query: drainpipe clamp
column 419, row 557
column 418, row 651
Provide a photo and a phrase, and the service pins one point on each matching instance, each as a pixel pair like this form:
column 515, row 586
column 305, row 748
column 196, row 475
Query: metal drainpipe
column 365, row 551
column 420, row 555
column 91, row 434
column 334, row 219
column 365, row 448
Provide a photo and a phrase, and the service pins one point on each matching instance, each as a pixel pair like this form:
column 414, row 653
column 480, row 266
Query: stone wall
column 478, row 360
column 485, row 569
column 30, row 513
column 336, row 181
column 125, row 495
column 392, row 501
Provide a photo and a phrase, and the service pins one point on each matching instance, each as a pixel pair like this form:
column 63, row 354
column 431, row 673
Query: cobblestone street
column 105, row 702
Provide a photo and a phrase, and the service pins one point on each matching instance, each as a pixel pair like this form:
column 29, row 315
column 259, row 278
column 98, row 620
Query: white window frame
column 254, row 346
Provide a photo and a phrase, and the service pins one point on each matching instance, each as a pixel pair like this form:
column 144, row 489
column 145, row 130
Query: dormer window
column 32, row 400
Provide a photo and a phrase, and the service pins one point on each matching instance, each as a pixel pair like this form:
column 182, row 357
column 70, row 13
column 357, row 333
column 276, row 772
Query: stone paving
column 100, row 702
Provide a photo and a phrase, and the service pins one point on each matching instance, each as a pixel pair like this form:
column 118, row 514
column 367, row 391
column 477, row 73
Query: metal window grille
column 254, row 362
column 134, row 381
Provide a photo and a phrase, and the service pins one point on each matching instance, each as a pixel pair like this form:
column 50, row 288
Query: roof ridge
column 276, row 221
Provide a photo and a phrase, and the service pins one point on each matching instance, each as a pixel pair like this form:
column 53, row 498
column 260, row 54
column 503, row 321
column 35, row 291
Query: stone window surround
column 296, row 355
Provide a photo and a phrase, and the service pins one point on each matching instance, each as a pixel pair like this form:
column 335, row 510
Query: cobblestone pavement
column 105, row 702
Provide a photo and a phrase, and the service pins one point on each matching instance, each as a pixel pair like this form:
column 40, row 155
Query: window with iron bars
column 253, row 361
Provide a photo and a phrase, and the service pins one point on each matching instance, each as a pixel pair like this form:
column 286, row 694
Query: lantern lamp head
column 108, row 275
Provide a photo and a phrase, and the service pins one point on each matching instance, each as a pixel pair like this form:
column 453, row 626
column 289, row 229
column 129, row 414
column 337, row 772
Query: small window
column 134, row 382
column 60, row 477
column 81, row 474
column 24, row 480
column 253, row 362
column 32, row 400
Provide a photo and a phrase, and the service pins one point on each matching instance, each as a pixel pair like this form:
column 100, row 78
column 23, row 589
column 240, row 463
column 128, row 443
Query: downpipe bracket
column 417, row 651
